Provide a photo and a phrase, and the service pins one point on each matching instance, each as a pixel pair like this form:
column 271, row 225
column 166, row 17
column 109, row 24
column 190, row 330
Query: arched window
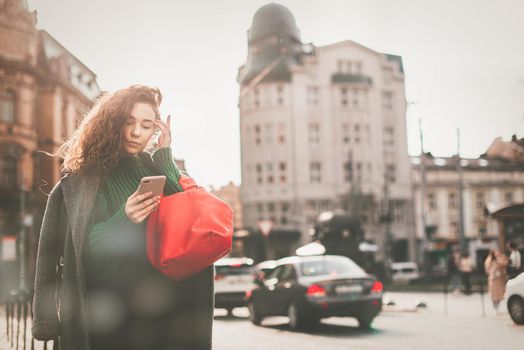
column 8, row 173
column 7, row 107
column 10, row 154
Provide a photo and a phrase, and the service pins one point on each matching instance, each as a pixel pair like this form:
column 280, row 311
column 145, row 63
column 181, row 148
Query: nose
column 135, row 131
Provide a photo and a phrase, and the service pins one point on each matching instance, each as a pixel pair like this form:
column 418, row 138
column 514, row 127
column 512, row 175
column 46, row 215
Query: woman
column 93, row 232
column 495, row 266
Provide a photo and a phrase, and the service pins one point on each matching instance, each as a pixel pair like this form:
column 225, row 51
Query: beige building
column 43, row 90
column 230, row 194
column 321, row 125
column 494, row 180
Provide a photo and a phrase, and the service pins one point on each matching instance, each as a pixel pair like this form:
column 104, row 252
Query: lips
column 134, row 144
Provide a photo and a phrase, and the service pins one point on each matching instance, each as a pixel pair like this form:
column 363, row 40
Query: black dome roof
column 273, row 19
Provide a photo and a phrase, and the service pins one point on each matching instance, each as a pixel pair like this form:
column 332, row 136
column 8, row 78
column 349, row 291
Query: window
column 315, row 170
column 452, row 200
column 432, row 201
column 282, row 169
column 314, row 134
column 348, row 172
column 260, row 208
column 312, row 96
column 390, row 173
column 284, row 207
column 349, row 67
column 288, row 273
column 281, row 133
column 269, row 168
column 344, row 98
column 280, row 95
column 480, row 200
column 359, row 172
column 389, row 136
column 271, row 207
column 398, row 211
column 345, row 133
column 258, row 138
column 387, row 101
column 259, row 173
column 7, row 107
column 508, row 197
column 8, row 172
column 357, row 133
column 359, row 98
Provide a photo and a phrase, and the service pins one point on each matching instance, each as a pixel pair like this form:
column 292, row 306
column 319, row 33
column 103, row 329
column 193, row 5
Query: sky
column 463, row 61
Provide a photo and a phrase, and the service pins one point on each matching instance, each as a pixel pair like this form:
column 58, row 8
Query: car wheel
column 296, row 318
column 364, row 321
column 254, row 315
column 516, row 309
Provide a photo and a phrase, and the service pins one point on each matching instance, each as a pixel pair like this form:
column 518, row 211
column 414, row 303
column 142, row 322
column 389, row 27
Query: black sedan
column 307, row 289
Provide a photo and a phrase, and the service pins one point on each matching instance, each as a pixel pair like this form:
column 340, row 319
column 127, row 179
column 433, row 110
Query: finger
column 146, row 202
column 168, row 121
column 147, row 209
column 141, row 197
column 161, row 124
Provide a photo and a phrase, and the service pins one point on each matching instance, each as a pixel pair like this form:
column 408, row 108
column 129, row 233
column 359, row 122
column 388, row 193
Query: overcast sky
column 463, row 59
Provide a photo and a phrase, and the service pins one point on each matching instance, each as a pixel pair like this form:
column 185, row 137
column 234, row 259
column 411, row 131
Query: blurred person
column 495, row 267
column 515, row 260
column 466, row 267
column 453, row 270
column 108, row 294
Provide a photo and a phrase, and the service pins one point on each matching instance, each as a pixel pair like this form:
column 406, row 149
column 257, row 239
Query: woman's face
column 138, row 128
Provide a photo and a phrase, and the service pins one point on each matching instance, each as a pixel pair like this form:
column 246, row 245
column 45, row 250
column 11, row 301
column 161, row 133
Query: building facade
column 43, row 91
column 495, row 180
column 323, row 128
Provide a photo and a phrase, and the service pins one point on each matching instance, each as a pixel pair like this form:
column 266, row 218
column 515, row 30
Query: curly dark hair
column 97, row 143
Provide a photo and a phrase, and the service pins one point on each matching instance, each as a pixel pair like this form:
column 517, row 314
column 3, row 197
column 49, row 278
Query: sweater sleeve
column 106, row 236
column 163, row 161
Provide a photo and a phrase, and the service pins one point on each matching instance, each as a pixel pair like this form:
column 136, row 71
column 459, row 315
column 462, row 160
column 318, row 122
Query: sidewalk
column 17, row 330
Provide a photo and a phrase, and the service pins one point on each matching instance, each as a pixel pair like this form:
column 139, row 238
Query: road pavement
column 402, row 327
column 452, row 323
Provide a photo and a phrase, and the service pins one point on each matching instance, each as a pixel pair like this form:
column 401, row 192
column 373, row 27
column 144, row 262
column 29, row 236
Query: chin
column 132, row 151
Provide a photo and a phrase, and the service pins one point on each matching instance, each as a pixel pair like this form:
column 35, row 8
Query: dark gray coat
column 60, row 306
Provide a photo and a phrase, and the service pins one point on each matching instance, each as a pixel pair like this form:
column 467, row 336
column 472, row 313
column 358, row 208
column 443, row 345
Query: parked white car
column 515, row 297
column 404, row 272
column 233, row 278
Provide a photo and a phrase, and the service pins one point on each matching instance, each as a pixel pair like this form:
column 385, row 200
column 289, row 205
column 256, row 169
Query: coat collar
column 80, row 191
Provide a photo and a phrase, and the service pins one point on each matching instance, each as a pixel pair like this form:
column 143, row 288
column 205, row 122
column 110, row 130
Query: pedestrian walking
column 453, row 270
column 515, row 260
column 495, row 267
column 466, row 267
column 108, row 294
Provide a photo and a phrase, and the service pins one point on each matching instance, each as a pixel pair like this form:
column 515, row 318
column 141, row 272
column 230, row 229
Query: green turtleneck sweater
column 114, row 242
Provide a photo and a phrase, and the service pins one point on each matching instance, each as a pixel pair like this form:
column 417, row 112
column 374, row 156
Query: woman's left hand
column 165, row 132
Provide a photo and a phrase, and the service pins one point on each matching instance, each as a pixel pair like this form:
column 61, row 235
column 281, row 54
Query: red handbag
column 188, row 231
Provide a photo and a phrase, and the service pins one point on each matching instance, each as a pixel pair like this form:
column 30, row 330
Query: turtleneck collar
column 135, row 161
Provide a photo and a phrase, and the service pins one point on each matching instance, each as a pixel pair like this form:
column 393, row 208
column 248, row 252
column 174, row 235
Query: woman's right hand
column 139, row 206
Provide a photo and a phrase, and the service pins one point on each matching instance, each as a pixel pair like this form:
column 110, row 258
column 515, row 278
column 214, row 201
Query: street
column 397, row 327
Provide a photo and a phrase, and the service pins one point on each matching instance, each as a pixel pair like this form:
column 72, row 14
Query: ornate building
column 43, row 91
column 489, row 183
column 322, row 128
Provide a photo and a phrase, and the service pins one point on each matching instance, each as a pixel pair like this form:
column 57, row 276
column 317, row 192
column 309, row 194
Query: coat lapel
column 80, row 191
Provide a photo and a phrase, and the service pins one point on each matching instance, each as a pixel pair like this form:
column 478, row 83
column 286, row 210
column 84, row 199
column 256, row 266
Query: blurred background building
column 491, row 182
column 323, row 128
column 43, row 90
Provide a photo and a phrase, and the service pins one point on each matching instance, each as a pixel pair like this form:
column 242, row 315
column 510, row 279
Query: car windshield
column 234, row 270
column 330, row 267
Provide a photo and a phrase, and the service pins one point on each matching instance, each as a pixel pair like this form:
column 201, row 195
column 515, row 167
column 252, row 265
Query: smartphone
column 153, row 184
